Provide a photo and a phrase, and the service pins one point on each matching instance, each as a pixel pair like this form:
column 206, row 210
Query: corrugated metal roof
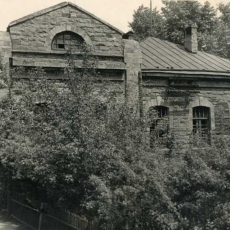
column 159, row 54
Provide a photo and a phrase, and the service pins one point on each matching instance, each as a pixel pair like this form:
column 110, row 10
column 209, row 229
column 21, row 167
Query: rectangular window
column 201, row 122
column 159, row 128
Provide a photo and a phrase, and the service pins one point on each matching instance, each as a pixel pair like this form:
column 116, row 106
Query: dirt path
column 10, row 224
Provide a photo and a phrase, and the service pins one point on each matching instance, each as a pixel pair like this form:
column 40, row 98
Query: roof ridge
column 58, row 6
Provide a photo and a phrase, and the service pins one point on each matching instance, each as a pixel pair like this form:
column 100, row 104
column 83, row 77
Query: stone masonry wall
column 5, row 55
column 32, row 34
column 180, row 112
column 133, row 60
column 5, row 46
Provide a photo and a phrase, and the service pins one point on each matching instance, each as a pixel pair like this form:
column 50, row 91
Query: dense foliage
column 175, row 16
column 72, row 140
column 87, row 153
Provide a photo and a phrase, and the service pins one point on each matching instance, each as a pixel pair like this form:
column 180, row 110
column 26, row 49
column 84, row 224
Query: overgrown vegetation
column 170, row 23
column 83, row 151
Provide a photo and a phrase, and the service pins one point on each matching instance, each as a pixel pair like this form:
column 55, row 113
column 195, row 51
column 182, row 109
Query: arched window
column 66, row 40
column 201, row 122
column 159, row 127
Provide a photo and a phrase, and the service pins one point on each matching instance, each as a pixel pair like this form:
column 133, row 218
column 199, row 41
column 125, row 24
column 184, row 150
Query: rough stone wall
column 5, row 55
column 133, row 60
column 5, row 46
column 180, row 109
column 32, row 34
column 113, row 91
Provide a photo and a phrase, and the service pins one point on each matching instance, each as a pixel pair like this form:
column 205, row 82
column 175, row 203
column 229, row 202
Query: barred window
column 65, row 40
column 201, row 122
column 159, row 116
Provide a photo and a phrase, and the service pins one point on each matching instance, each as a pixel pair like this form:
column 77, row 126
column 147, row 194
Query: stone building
column 188, row 88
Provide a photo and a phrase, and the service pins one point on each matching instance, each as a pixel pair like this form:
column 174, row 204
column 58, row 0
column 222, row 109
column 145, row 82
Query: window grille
column 201, row 122
column 65, row 40
column 159, row 127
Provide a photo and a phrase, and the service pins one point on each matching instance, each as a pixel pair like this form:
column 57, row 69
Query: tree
column 87, row 153
column 141, row 24
column 175, row 16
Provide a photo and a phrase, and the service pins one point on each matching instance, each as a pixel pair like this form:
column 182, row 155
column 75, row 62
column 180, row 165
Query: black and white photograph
column 115, row 115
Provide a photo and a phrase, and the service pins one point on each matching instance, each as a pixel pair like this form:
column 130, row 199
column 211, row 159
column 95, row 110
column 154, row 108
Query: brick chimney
column 190, row 42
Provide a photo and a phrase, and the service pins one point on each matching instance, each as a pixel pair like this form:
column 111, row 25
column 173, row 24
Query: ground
column 10, row 224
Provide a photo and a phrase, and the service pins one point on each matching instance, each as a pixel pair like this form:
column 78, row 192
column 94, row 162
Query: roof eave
column 205, row 73
column 37, row 14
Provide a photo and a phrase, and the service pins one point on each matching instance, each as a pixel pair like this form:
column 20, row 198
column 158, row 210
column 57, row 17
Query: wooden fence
column 24, row 214
column 3, row 193
column 46, row 219
column 3, row 190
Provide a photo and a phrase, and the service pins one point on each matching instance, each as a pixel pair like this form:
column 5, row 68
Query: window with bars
column 159, row 117
column 65, row 40
column 201, row 122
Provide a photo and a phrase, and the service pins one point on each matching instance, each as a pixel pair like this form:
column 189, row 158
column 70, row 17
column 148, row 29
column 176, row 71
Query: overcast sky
column 116, row 12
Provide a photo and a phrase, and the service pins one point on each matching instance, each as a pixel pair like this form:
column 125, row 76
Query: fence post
column 41, row 216
column 8, row 201
column 1, row 194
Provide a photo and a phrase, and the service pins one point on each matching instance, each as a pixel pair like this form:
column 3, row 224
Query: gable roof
column 164, row 55
column 58, row 6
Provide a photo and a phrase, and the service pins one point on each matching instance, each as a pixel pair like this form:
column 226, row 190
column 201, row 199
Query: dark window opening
column 188, row 31
column 201, row 123
column 61, row 46
column 159, row 128
column 66, row 40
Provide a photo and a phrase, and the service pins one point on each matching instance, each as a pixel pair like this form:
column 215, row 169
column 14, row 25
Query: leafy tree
column 201, row 186
column 175, row 16
column 179, row 15
column 141, row 24
column 61, row 138
column 89, row 154
column 225, row 13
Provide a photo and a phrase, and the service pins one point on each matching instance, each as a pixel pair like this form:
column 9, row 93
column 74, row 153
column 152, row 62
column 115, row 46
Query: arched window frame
column 158, row 101
column 159, row 124
column 202, row 122
column 66, row 27
column 66, row 40
column 201, row 101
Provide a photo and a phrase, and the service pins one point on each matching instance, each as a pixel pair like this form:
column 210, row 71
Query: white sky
column 116, row 12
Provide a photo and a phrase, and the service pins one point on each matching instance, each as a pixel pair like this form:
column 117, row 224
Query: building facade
column 188, row 89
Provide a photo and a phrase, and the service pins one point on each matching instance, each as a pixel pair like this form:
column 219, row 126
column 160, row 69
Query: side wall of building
column 214, row 94
column 119, row 60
